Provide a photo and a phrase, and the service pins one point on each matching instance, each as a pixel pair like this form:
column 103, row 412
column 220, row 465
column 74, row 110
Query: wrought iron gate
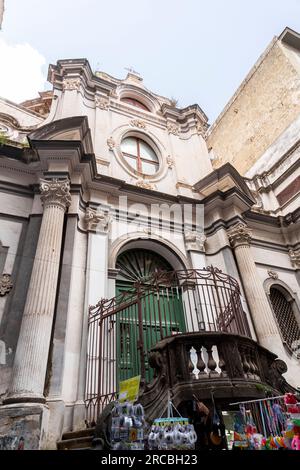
column 122, row 330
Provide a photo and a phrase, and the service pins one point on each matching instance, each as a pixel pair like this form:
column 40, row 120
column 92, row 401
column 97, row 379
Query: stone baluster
column 193, row 360
column 29, row 371
column 201, row 364
column 211, row 363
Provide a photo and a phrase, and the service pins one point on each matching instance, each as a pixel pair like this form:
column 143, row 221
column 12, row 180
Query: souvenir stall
column 268, row 424
column 271, row 423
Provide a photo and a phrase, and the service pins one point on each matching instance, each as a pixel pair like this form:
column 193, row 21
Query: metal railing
column 123, row 330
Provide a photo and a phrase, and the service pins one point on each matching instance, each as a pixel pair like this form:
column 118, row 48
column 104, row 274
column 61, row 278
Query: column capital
column 55, row 192
column 194, row 241
column 97, row 220
column 239, row 234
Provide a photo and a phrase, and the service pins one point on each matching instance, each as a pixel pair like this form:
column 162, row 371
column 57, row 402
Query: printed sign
column 129, row 389
column 171, row 421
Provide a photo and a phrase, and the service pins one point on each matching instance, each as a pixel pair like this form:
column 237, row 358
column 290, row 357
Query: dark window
column 135, row 102
column 285, row 316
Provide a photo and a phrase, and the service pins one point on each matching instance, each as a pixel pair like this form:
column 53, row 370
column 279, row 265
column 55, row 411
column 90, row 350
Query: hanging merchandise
column 172, row 433
column 245, row 430
column 128, row 420
column 217, row 429
column 127, row 426
column 293, row 412
column 239, row 436
column 278, row 420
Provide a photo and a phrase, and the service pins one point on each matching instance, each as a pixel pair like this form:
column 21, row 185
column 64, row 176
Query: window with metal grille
column 285, row 316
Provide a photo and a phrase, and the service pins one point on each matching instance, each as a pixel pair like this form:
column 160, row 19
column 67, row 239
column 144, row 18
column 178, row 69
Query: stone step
column 75, row 443
column 76, row 434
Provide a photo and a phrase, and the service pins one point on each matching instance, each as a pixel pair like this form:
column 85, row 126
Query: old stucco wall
column 262, row 108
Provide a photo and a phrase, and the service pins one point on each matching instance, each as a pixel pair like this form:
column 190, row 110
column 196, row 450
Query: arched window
column 284, row 308
column 135, row 102
column 140, row 264
column 139, row 155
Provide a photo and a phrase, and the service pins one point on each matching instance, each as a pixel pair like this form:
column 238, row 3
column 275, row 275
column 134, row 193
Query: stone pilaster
column 31, row 357
column 195, row 245
column 240, row 237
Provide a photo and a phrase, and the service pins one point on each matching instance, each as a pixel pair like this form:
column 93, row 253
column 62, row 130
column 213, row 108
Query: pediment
column 68, row 129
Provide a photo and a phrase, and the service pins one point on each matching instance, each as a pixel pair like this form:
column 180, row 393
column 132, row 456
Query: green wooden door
column 162, row 313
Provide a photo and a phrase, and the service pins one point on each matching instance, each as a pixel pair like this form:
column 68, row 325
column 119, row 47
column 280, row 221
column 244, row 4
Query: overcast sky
column 193, row 50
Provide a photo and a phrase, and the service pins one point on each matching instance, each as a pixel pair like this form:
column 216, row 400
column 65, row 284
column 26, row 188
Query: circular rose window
column 139, row 156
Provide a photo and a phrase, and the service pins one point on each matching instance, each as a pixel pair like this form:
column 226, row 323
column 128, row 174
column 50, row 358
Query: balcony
column 183, row 331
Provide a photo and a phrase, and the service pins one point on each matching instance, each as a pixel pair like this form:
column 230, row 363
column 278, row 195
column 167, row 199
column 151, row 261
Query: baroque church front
column 108, row 189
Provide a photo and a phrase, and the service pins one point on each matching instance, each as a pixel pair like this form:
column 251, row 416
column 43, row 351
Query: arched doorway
column 159, row 307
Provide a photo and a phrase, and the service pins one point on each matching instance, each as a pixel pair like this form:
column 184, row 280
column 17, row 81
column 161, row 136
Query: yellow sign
column 133, row 434
column 129, row 389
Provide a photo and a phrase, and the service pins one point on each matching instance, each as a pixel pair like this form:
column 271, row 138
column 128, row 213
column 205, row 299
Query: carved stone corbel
column 102, row 103
column 111, row 143
column 272, row 274
column 194, row 241
column 138, row 123
column 71, row 84
column 172, row 128
column 6, row 284
column 170, row 161
column 145, row 184
column 295, row 258
column 97, row 220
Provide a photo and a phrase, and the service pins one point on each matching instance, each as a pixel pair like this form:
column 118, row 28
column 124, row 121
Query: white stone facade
column 79, row 142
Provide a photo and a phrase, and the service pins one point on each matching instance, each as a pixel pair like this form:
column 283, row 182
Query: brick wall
column 268, row 101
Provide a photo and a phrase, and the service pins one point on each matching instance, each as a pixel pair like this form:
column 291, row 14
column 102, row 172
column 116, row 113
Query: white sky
column 193, row 50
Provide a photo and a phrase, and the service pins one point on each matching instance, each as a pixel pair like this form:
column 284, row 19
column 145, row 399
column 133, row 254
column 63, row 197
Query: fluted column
column 240, row 237
column 31, row 357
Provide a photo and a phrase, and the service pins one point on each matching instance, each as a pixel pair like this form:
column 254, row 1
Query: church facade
column 105, row 187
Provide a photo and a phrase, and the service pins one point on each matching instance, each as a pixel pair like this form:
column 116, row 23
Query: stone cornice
column 55, row 193
column 278, row 173
column 239, row 235
column 78, row 69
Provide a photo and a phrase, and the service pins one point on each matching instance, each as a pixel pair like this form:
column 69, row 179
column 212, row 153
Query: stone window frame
column 139, row 157
column 291, row 297
column 125, row 131
column 130, row 91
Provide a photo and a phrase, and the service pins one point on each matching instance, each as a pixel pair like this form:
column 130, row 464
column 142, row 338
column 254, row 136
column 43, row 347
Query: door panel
column 162, row 316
